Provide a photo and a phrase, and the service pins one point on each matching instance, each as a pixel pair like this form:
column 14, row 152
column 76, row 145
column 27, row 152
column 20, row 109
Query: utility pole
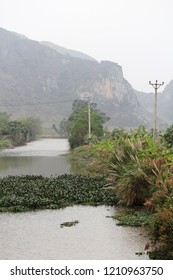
column 155, row 85
column 89, row 119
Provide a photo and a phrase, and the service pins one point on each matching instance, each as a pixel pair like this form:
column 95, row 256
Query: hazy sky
column 136, row 34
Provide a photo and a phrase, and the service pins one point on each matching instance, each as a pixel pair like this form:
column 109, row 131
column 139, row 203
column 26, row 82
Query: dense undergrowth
column 141, row 173
column 23, row 193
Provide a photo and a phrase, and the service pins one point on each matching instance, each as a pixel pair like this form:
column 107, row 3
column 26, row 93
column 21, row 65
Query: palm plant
column 129, row 174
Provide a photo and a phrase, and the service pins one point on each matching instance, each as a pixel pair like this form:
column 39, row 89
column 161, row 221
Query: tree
column 62, row 130
column 4, row 119
column 33, row 126
column 168, row 136
column 77, row 124
column 17, row 132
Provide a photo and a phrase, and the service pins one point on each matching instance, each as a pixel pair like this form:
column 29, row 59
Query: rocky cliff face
column 115, row 96
column 37, row 80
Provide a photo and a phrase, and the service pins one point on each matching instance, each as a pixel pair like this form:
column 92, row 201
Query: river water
column 38, row 235
column 43, row 157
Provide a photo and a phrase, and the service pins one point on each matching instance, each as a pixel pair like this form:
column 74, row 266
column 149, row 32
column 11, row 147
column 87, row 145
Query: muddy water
column 38, row 235
column 43, row 157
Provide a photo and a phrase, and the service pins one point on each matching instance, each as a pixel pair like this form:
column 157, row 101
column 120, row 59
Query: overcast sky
column 136, row 34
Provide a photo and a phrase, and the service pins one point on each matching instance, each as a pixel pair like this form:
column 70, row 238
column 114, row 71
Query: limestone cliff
column 37, row 80
column 115, row 96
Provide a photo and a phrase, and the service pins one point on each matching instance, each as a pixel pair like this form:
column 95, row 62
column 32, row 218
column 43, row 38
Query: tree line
column 18, row 132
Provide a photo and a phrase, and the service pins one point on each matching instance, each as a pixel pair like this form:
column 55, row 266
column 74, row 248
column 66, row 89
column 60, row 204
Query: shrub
column 162, row 231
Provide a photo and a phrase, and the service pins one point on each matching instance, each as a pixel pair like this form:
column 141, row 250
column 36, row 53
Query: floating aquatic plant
column 69, row 224
column 30, row 192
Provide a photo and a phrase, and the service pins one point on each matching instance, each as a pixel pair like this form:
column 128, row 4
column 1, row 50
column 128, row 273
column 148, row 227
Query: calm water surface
column 38, row 235
column 43, row 157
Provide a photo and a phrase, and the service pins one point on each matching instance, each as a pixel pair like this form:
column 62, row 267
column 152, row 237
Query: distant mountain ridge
column 164, row 102
column 66, row 51
column 37, row 80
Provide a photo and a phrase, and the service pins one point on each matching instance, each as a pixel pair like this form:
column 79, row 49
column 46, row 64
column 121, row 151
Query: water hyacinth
column 29, row 192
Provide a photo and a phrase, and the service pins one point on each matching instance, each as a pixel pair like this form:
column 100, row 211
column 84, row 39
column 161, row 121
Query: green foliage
column 136, row 165
column 129, row 174
column 77, row 124
column 141, row 173
column 134, row 219
column 15, row 132
column 162, row 231
column 168, row 136
column 33, row 127
column 4, row 119
column 63, row 128
column 22, row 193
column 69, row 224
column 5, row 143
column 94, row 158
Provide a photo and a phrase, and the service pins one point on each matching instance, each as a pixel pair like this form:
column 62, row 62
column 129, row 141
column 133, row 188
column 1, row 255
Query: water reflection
column 45, row 166
column 44, row 157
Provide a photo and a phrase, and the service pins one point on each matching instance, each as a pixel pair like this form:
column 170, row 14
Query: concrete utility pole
column 155, row 85
column 89, row 119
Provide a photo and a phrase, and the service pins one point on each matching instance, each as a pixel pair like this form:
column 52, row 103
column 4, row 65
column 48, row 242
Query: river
column 38, row 235
column 43, row 157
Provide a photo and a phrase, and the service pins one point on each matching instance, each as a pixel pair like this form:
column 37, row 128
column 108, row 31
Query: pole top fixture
column 156, row 85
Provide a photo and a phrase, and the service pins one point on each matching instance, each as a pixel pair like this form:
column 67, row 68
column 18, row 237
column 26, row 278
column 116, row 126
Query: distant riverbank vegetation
column 18, row 132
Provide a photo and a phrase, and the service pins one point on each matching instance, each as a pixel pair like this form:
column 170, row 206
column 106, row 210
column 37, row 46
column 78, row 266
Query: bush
column 162, row 232
column 168, row 136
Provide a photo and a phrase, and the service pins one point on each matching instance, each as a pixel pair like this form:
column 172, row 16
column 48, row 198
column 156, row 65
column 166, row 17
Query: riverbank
column 141, row 173
column 93, row 159
column 5, row 144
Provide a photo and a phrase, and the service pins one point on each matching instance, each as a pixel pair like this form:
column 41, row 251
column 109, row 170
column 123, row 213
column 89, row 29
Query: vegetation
column 168, row 136
column 17, row 132
column 69, row 224
column 4, row 120
column 137, row 172
column 134, row 218
column 76, row 127
column 23, row 193
column 141, row 174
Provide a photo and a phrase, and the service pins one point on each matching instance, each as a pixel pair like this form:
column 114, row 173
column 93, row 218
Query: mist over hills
column 38, row 79
column 66, row 51
column 164, row 103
